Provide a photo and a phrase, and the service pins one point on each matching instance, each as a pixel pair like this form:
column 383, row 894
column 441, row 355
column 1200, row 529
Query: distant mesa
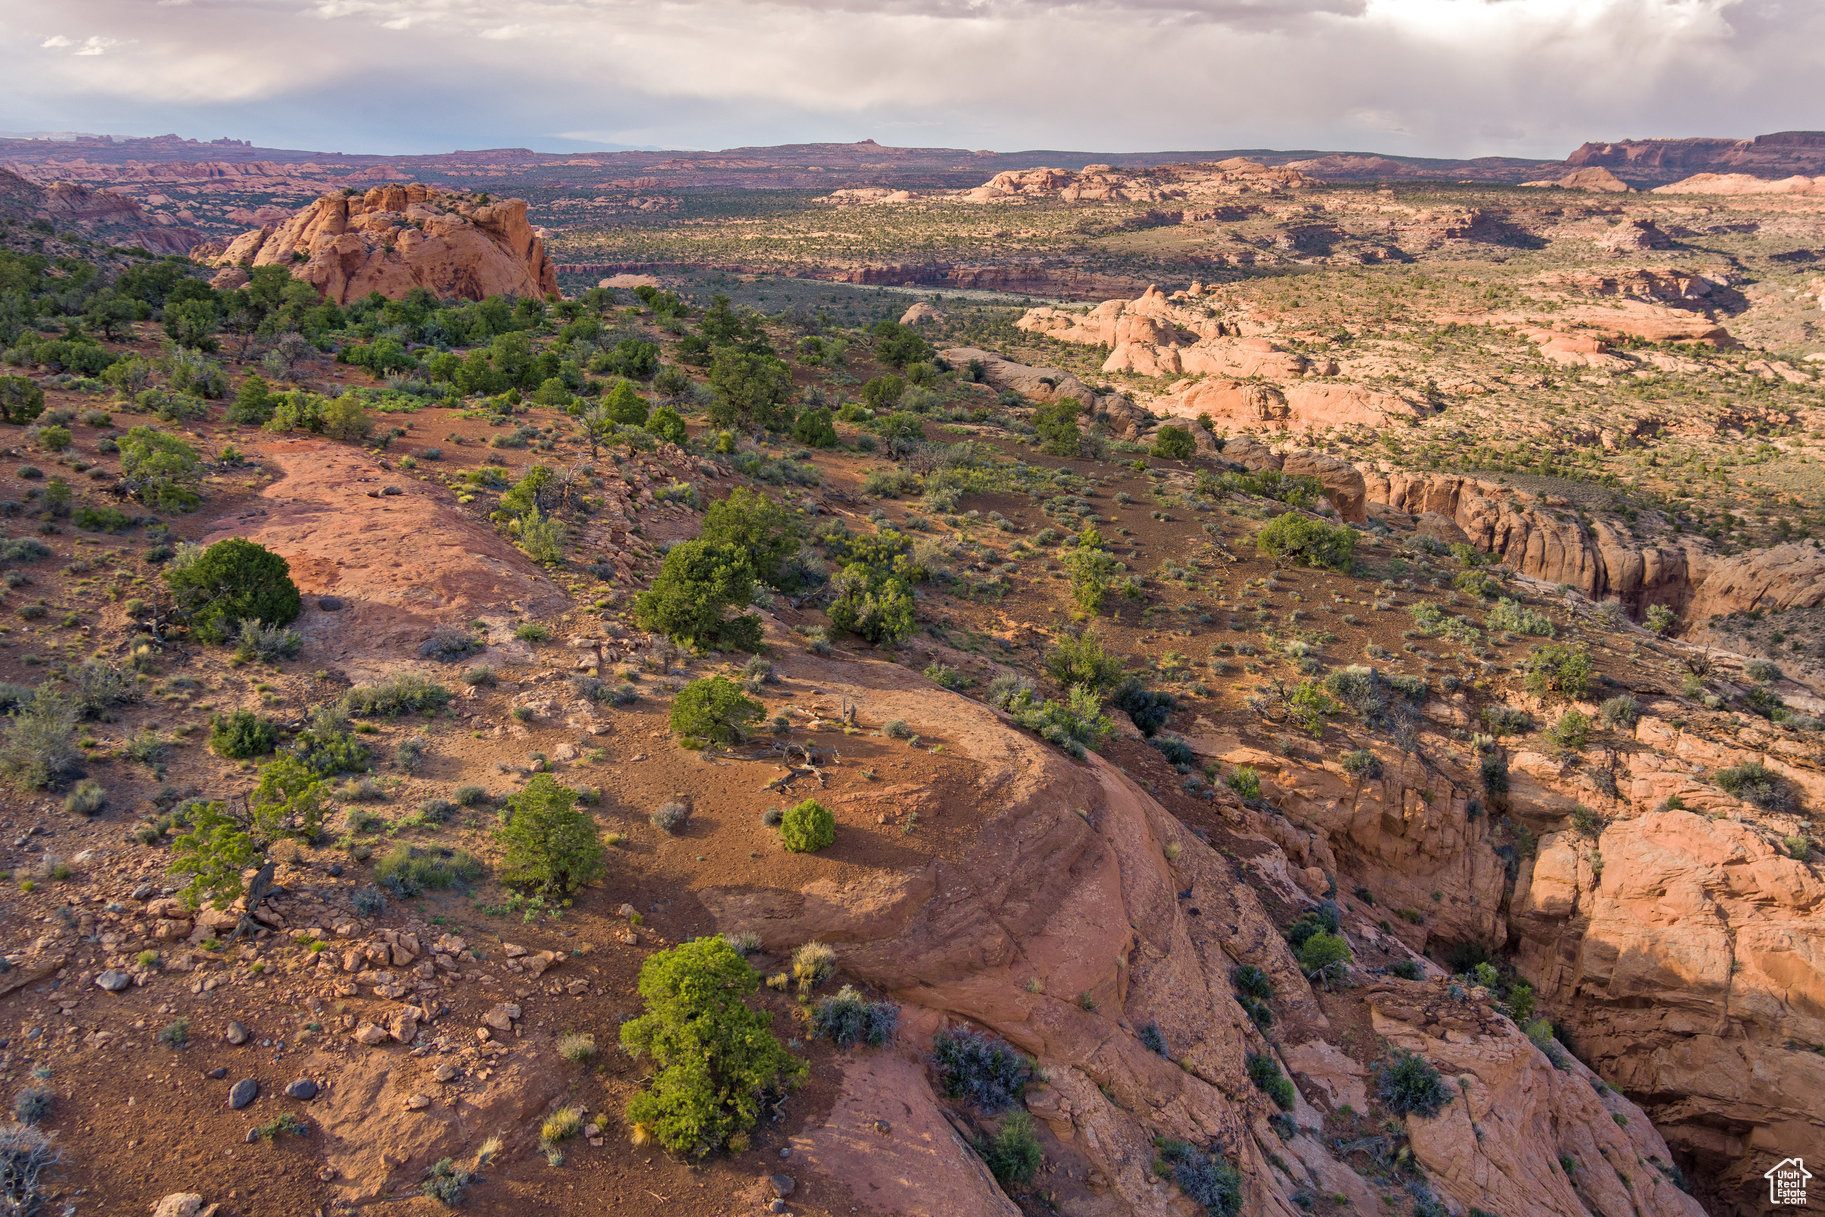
column 396, row 238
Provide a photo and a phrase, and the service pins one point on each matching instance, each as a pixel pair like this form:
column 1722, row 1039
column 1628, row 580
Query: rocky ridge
column 396, row 238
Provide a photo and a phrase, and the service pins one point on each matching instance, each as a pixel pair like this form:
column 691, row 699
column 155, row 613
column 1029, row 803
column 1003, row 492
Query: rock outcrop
column 1591, row 177
column 1743, row 184
column 98, row 214
column 396, row 238
column 1124, row 419
column 1541, row 538
column 1689, row 953
column 1189, row 182
column 1082, row 912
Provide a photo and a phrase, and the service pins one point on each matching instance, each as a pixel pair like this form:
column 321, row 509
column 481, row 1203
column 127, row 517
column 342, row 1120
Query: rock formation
column 1743, row 183
column 1592, row 177
column 99, row 214
column 1689, row 951
column 396, row 238
column 1064, row 932
column 1125, row 420
column 1190, row 182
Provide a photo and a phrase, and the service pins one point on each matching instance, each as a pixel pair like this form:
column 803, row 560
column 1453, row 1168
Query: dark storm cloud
column 1441, row 77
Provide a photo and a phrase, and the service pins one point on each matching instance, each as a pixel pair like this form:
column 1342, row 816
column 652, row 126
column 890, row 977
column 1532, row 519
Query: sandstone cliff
column 1084, row 912
column 396, row 238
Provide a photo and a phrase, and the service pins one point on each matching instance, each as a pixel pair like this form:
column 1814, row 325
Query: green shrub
column 814, row 429
column 764, row 531
column 1092, row 570
column 1507, row 720
column 402, row 694
column 1245, row 780
column 807, row 827
column 242, row 734
column 1408, row 1085
column 1264, row 1071
column 1561, row 668
column 101, row 519
column 667, row 424
column 696, row 585
column 546, row 844
column 1299, row 538
column 1084, row 659
column 1571, row 732
column 1761, row 670
column 1074, row 725
column 39, row 744
column 1753, row 782
column 980, row 1069
column 714, row 1060
column 1620, row 711
column 872, row 601
column 1494, row 772
column 21, row 399
column 712, row 710
column 1361, row 763
column 849, row 1018
column 161, row 470
column 407, row 870
column 86, row 798
column 1324, row 956
column 51, row 438
column 1012, row 1153
column 1205, row 1176
column 1056, row 426
column 230, row 582
column 326, row 747
column 1173, row 443
column 1660, row 619
column 1518, row 618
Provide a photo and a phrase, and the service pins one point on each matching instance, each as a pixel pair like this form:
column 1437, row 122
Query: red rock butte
column 395, row 238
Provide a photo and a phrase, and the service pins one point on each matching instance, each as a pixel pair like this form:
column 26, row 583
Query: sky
column 1413, row 77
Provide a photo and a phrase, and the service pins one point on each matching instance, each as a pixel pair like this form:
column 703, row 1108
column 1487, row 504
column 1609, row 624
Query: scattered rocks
column 502, row 1017
column 371, row 1035
column 418, row 1102
column 404, row 1025
column 244, row 1092
column 445, row 1073
column 217, row 1074
column 782, row 1185
column 183, row 1204
column 237, row 1034
column 302, row 1089
column 113, row 980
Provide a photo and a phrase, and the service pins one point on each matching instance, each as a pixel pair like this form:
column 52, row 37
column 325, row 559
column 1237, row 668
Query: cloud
column 1433, row 77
